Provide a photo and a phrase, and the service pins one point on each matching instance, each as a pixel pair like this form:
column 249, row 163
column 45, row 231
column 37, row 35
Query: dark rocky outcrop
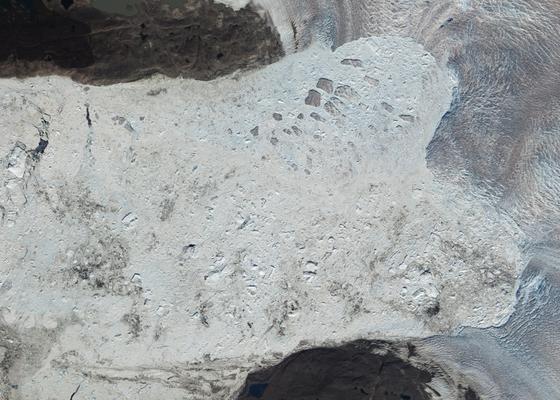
column 201, row 40
column 362, row 370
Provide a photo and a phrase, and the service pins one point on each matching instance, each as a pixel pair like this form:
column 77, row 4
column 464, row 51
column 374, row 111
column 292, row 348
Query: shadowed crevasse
column 201, row 40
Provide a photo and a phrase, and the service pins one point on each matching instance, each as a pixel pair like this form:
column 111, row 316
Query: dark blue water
column 257, row 390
